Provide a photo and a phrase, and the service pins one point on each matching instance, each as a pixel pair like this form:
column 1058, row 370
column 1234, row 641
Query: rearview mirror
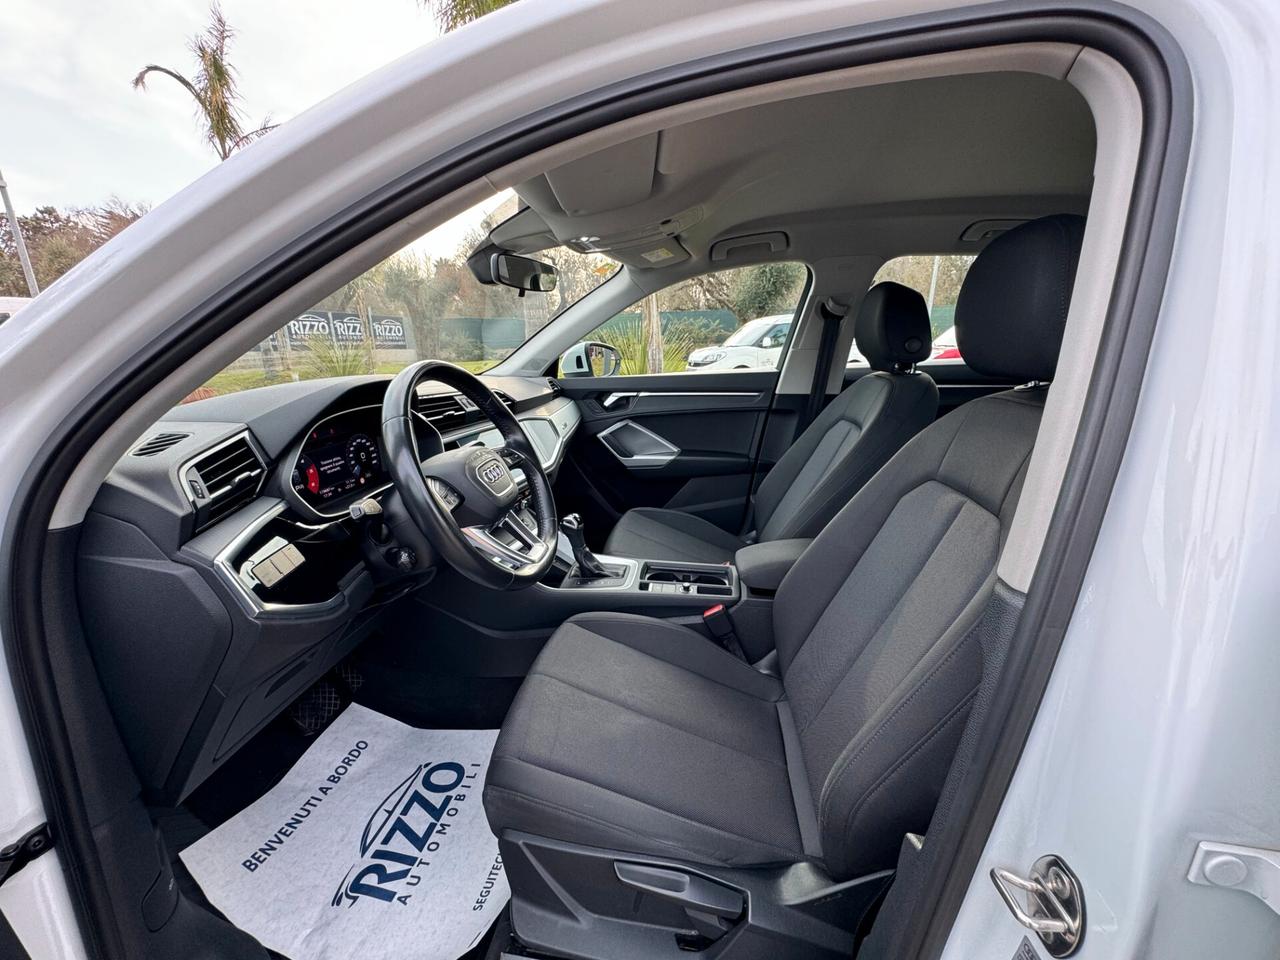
column 522, row 273
column 590, row 359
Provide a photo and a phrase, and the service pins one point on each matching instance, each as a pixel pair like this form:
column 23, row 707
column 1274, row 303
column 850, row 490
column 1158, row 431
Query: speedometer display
column 340, row 458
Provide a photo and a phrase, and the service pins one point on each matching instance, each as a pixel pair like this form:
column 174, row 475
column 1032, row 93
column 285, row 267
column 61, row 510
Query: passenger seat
column 841, row 450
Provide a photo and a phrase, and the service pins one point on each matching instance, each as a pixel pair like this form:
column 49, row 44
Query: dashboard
column 340, row 460
column 227, row 528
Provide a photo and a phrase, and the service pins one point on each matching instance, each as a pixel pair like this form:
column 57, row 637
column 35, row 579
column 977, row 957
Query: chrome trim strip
column 222, row 566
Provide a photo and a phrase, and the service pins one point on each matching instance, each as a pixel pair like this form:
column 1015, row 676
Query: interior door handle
column 615, row 400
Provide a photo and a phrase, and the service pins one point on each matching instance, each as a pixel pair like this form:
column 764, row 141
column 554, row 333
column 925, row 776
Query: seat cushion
column 653, row 534
column 638, row 734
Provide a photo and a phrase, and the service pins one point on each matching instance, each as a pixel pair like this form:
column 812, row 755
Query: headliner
column 886, row 169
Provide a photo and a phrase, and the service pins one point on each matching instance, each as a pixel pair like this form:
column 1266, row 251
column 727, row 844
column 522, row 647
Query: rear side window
column 938, row 278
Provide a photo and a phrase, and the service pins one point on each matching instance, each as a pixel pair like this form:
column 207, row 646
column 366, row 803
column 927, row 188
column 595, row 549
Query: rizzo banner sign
column 374, row 845
column 346, row 328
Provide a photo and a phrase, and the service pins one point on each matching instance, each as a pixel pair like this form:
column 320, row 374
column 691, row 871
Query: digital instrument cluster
column 340, row 458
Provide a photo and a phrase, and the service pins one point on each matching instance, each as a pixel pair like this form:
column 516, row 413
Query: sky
column 73, row 132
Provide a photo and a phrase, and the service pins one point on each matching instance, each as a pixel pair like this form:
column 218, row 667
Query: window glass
column 938, row 279
column 735, row 319
column 422, row 303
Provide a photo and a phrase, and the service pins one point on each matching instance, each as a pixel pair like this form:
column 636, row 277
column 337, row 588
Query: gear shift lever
column 589, row 568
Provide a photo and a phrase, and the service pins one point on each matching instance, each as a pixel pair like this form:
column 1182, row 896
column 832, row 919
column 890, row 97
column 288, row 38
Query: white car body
column 744, row 349
column 756, row 345
column 1156, row 731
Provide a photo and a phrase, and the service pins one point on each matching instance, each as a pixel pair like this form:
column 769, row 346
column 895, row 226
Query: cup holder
column 661, row 578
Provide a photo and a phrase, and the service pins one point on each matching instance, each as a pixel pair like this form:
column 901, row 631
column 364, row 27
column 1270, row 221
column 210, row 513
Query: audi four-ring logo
column 491, row 472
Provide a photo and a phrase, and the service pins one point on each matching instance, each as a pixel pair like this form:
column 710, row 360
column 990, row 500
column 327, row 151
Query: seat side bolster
column 806, row 591
column 908, row 406
column 910, row 739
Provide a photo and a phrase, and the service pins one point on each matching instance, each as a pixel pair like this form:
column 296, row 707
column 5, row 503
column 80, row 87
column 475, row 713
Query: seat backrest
column 858, row 431
column 875, row 624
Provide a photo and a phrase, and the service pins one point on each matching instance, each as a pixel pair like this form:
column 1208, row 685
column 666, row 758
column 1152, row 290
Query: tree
column 57, row 240
column 451, row 14
column 766, row 289
column 214, row 88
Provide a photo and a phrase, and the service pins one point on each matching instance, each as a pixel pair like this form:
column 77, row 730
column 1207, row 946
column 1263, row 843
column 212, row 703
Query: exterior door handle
column 1048, row 903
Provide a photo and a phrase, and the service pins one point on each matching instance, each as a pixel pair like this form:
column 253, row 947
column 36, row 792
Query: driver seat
column 647, row 786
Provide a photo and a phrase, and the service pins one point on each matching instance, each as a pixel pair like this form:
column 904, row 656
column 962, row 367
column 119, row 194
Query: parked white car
column 756, row 345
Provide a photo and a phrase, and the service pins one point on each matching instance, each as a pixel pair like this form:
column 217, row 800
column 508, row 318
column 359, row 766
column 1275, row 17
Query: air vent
column 444, row 411
column 449, row 411
column 223, row 480
column 158, row 444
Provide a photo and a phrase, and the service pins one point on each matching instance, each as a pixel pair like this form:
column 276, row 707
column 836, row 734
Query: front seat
column 852, row 438
column 643, row 769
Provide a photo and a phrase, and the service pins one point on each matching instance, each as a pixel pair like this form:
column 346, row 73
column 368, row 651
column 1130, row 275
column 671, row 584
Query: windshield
column 750, row 334
column 421, row 303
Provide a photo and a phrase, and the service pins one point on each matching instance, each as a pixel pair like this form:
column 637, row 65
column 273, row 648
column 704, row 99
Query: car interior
column 730, row 624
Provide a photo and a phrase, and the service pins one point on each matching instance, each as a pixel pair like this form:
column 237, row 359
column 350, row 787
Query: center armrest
column 761, row 566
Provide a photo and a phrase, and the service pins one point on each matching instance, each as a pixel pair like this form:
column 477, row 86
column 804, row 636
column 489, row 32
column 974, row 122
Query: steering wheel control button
column 448, row 497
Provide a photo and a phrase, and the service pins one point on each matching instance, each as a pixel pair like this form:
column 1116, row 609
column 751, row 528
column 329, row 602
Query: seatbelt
column 832, row 315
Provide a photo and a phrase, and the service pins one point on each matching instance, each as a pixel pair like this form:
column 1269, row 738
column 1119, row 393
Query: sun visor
column 523, row 232
column 610, row 179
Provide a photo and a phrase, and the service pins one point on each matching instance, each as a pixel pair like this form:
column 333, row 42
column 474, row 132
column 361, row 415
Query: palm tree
column 451, row 14
column 214, row 88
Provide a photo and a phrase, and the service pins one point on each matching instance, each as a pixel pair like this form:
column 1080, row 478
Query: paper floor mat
column 374, row 845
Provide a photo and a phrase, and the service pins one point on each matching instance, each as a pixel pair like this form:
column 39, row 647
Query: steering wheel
column 466, row 501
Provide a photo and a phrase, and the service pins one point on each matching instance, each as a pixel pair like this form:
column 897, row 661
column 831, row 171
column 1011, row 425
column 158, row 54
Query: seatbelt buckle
column 719, row 623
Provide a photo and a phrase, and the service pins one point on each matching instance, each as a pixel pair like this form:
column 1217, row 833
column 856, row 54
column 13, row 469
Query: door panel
column 684, row 441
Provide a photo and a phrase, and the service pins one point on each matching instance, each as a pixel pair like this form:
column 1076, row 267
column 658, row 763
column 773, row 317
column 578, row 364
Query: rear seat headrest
column 1013, row 304
column 892, row 327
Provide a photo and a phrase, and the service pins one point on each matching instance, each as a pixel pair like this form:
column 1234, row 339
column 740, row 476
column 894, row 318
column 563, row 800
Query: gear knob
column 589, row 568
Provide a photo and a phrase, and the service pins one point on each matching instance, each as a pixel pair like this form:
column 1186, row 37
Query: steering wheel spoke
column 510, row 542
column 444, row 494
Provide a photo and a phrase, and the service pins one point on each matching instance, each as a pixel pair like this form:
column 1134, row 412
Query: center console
column 668, row 579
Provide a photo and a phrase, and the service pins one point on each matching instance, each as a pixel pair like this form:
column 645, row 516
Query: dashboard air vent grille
column 158, row 444
column 449, row 411
column 223, row 479
column 444, row 411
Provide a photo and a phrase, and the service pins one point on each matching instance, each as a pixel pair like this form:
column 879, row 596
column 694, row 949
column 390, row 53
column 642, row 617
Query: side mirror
column 590, row 358
column 522, row 273
column 766, row 343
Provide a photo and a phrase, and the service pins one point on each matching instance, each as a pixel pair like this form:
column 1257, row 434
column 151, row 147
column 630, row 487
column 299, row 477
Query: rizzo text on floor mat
column 376, row 837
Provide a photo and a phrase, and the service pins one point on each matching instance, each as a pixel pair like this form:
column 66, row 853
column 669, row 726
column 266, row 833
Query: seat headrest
column 1012, row 306
column 892, row 327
